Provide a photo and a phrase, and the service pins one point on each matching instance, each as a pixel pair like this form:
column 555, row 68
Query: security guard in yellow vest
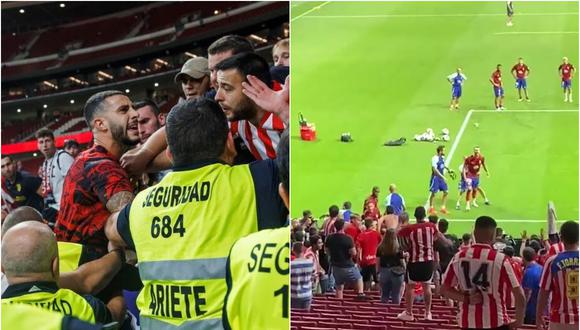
column 183, row 228
column 30, row 263
column 75, row 272
column 257, row 276
column 22, row 316
column 258, row 270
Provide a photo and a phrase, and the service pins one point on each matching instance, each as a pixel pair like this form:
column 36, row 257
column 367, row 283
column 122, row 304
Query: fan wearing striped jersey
column 560, row 279
column 477, row 277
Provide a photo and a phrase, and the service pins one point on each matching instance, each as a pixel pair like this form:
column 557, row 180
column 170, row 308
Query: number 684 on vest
column 166, row 227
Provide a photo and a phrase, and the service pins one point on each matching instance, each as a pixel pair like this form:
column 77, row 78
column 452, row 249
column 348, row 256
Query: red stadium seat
column 336, row 325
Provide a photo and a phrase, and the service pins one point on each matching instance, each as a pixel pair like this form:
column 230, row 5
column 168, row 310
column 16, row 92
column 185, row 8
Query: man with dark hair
column 446, row 252
column 204, row 197
column 560, row 278
column 19, row 188
column 225, row 47
column 371, row 205
column 313, row 253
column 420, row 238
column 259, row 128
column 340, row 247
column 367, row 243
column 438, row 181
column 150, row 118
column 72, row 147
column 531, row 283
column 510, row 252
column 96, row 185
column 54, row 169
column 346, row 211
column 328, row 225
column 477, row 277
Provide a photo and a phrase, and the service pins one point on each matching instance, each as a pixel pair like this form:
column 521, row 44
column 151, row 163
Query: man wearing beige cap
column 194, row 78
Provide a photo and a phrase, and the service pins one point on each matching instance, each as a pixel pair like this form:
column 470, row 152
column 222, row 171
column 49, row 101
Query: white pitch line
column 454, row 145
column 309, row 11
column 501, row 220
column 427, row 15
column 537, row 32
column 522, row 111
column 464, row 126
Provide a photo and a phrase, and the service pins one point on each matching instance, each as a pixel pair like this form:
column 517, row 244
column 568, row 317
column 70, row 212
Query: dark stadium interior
column 136, row 47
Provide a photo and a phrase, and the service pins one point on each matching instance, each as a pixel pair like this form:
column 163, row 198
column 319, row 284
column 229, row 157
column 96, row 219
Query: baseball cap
column 196, row 68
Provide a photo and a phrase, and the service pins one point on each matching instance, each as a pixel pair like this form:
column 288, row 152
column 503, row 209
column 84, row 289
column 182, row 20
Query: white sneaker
column 510, row 24
column 502, row 108
column 429, row 317
column 565, row 99
column 520, row 100
column 467, row 208
column 457, row 206
column 474, row 204
column 405, row 317
column 528, row 100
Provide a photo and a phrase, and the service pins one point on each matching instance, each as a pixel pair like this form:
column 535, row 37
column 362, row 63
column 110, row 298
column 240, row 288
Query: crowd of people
column 153, row 225
column 484, row 274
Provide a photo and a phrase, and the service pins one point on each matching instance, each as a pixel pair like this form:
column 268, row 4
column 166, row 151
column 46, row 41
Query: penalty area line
column 455, row 144
column 523, row 111
column 309, row 11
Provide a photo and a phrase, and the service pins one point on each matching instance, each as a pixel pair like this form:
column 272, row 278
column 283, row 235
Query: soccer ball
column 445, row 131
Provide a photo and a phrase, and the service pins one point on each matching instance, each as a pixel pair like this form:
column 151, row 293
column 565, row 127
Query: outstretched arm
column 135, row 162
column 267, row 99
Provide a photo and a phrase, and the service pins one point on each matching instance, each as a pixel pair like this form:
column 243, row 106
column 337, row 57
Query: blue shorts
column 346, row 275
column 456, row 91
column 521, row 83
column 437, row 184
column 497, row 91
column 567, row 83
column 475, row 183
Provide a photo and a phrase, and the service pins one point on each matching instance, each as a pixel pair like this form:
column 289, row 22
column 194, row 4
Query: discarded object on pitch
column 345, row 137
column 307, row 130
column 397, row 142
column 452, row 174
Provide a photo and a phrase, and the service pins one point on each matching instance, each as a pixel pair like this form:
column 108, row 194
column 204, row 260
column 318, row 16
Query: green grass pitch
column 378, row 71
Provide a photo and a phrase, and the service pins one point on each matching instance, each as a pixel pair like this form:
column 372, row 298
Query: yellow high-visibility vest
column 183, row 229
column 258, row 279
column 63, row 301
column 69, row 256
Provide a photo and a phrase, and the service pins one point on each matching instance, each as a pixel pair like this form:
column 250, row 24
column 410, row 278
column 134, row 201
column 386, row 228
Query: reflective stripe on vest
column 69, row 255
column 63, row 301
column 21, row 316
column 258, row 276
column 197, row 269
column 183, row 229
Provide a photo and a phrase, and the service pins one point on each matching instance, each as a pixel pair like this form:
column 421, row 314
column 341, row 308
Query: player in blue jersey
column 438, row 181
column 456, row 79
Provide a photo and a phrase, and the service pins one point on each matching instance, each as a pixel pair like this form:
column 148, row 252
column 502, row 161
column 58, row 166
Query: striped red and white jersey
column 510, row 300
column 560, row 277
column 262, row 141
column 481, row 268
column 555, row 249
column 419, row 238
